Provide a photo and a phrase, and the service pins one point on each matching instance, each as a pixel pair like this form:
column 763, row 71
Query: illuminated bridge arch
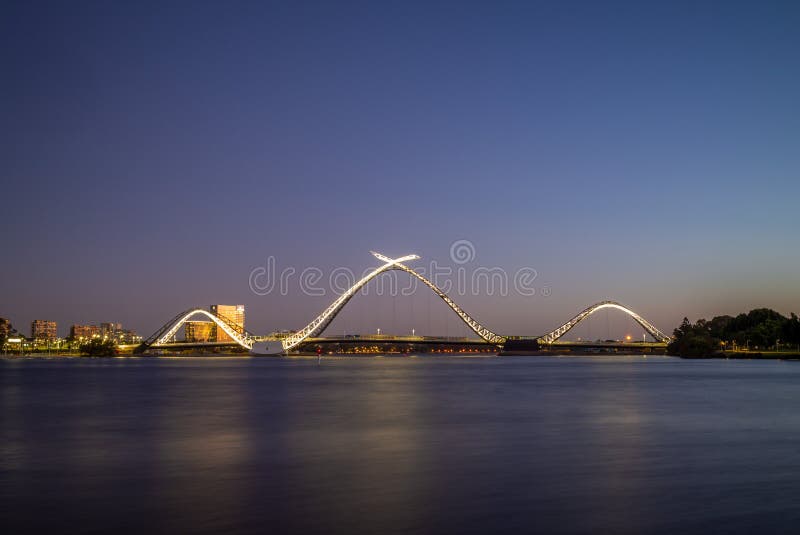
column 264, row 345
column 167, row 332
column 319, row 323
column 552, row 336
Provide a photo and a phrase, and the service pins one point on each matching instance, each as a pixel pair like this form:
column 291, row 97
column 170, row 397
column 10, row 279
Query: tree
column 99, row 348
column 718, row 326
column 761, row 327
column 693, row 340
column 684, row 329
column 790, row 333
column 4, row 335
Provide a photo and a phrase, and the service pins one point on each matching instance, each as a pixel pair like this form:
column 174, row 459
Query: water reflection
column 202, row 446
column 425, row 445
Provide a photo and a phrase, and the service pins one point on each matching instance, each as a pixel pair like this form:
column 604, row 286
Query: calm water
column 400, row 445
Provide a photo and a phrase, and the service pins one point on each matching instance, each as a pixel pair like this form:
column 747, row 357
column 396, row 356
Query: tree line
column 761, row 328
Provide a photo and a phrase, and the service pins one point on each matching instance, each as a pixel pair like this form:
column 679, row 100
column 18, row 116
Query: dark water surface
column 400, row 445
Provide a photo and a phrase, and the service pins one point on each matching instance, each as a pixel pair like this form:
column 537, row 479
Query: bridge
column 263, row 345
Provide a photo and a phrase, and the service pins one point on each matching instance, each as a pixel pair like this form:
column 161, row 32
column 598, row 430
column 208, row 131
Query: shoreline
column 749, row 355
column 737, row 355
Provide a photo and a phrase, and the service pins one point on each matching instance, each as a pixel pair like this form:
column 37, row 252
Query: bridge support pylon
column 271, row 347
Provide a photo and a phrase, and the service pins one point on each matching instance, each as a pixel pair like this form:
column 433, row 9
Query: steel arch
column 472, row 323
column 319, row 323
column 554, row 335
column 163, row 336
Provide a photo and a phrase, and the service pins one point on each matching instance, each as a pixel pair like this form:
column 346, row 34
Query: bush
column 99, row 348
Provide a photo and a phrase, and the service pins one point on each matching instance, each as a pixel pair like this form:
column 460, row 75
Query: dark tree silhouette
column 99, row 348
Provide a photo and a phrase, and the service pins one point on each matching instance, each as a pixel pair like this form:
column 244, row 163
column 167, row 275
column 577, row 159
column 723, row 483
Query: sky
column 154, row 154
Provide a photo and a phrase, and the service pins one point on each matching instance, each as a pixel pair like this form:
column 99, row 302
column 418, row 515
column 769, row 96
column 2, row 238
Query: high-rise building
column 115, row 333
column 234, row 314
column 200, row 331
column 5, row 326
column 84, row 332
column 44, row 330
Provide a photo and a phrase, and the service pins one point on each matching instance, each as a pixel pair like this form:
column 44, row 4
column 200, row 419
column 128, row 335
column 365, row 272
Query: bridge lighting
column 241, row 339
column 260, row 346
column 552, row 336
column 384, row 258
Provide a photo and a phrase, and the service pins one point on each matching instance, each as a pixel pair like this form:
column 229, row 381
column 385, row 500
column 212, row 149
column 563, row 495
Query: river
column 580, row 444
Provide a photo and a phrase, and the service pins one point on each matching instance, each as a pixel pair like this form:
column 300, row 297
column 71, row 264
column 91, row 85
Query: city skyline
column 629, row 152
column 456, row 283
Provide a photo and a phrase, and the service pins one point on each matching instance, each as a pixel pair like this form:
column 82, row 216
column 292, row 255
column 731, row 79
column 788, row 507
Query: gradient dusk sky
column 154, row 154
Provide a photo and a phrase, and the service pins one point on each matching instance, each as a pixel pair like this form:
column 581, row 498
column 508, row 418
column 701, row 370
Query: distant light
column 15, row 340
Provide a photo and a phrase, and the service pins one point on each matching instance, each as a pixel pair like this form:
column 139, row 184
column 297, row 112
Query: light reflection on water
column 430, row 444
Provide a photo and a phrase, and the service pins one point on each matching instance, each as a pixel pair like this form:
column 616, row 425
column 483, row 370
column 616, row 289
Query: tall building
column 127, row 336
column 234, row 314
column 108, row 329
column 5, row 326
column 200, row 331
column 124, row 336
column 44, row 330
column 116, row 333
column 84, row 332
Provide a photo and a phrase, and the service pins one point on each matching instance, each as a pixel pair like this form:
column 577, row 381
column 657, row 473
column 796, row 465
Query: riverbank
column 741, row 355
column 751, row 355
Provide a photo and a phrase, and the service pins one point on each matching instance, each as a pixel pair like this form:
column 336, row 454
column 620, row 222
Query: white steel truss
column 552, row 336
column 242, row 338
column 477, row 328
column 318, row 324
